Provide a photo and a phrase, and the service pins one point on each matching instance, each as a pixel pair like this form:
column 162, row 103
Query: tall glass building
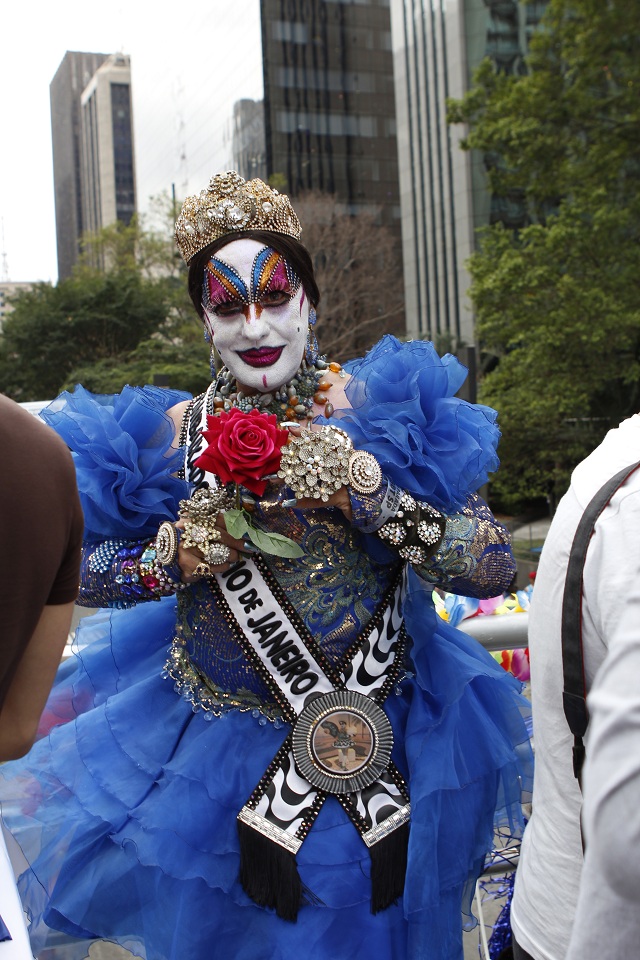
column 437, row 44
column 329, row 101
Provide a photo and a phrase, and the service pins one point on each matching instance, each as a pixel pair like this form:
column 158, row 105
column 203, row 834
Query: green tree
column 557, row 302
column 146, row 245
column 90, row 316
column 183, row 365
column 123, row 317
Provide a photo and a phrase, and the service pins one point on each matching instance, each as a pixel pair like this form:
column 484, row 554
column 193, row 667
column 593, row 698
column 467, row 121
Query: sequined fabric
column 335, row 588
column 334, row 584
column 475, row 557
column 109, row 574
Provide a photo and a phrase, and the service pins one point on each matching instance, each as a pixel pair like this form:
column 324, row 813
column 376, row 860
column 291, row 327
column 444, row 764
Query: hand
column 339, row 499
column 190, row 558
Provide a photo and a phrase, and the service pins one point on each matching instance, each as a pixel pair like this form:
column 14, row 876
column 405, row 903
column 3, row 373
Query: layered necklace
column 292, row 401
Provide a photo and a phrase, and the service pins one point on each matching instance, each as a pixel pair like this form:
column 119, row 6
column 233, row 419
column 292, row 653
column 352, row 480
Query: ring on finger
column 217, row 553
column 202, row 570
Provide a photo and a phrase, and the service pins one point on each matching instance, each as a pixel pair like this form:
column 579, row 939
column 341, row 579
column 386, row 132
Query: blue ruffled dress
column 125, row 812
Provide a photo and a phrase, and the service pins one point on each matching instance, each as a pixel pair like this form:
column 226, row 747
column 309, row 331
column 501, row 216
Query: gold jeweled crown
column 231, row 204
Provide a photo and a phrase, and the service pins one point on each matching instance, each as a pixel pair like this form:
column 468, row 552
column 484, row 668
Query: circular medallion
column 364, row 474
column 342, row 741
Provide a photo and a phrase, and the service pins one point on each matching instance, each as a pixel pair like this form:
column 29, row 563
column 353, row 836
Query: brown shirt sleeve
column 65, row 586
column 40, row 530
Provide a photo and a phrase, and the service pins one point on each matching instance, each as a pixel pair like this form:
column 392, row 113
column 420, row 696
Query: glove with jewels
column 415, row 529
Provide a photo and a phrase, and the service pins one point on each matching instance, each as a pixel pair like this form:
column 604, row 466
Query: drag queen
column 268, row 746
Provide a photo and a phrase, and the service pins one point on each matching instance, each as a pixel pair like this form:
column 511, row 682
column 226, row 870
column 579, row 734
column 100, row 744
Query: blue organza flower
column 121, row 446
column 405, row 412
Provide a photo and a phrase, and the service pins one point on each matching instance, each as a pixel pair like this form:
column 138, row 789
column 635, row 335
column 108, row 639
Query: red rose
column 243, row 448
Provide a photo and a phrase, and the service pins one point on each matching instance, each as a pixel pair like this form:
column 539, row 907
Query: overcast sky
column 189, row 63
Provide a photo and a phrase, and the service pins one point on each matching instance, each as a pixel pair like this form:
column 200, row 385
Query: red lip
column 262, row 356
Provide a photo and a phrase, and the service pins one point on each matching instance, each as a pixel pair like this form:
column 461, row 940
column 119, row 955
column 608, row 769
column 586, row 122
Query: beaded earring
column 212, row 357
column 312, row 349
column 213, row 363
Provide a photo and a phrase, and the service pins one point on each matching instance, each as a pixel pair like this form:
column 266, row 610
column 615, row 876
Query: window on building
column 289, row 31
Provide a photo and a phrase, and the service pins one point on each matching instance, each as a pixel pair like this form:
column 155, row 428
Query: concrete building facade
column 107, row 155
column 72, row 76
column 93, row 154
column 437, row 45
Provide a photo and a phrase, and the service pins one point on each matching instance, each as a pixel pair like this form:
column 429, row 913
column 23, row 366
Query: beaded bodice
column 334, row 587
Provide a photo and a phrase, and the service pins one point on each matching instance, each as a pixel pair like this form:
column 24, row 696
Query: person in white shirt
column 611, row 812
column 548, row 881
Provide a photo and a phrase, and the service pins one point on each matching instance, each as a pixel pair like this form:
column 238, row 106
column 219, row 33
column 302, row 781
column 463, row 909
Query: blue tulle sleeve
column 121, row 446
column 405, row 412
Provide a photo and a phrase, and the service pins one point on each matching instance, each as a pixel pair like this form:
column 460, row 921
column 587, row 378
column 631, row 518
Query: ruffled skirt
column 125, row 812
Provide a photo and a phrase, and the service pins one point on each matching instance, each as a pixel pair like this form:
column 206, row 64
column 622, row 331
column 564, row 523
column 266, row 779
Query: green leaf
column 274, row 543
column 237, row 523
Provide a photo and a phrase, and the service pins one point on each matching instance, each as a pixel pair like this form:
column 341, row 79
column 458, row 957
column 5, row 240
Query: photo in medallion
column 342, row 742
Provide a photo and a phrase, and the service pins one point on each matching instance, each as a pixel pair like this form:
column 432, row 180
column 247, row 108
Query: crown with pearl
column 231, row 204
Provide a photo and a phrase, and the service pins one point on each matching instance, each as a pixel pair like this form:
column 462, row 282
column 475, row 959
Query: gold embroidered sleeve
column 474, row 558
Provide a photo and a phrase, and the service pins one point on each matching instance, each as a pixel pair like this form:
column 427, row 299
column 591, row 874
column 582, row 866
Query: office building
column 65, row 90
column 108, row 173
column 329, row 103
column 444, row 198
column 248, row 143
column 93, row 156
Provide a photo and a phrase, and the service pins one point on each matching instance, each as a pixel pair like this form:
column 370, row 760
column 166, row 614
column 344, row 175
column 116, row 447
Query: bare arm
column 27, row 695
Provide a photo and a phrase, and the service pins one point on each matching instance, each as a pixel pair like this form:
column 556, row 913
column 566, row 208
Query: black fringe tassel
column 269, row 873
column 388, row 868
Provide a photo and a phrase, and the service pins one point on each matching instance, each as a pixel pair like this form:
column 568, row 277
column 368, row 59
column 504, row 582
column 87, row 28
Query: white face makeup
column 257, row 314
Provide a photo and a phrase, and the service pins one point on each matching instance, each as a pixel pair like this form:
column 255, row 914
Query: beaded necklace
column 292, row 401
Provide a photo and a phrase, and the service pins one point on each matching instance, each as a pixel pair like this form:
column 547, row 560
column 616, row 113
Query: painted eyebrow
column 224, row 283
column 272, row 271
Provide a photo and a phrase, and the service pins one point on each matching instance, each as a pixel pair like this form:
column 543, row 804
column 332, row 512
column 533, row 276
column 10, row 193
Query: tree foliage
column 558, row 302
column 124, row 316
column 90, row 316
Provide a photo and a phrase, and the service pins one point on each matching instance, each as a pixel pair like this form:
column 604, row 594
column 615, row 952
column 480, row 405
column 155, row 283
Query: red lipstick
column 262, row 356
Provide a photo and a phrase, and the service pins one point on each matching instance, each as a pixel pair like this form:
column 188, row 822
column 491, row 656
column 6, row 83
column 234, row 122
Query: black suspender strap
column 575, row 691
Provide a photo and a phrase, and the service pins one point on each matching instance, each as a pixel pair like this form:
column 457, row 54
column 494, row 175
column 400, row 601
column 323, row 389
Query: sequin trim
column 195, row 688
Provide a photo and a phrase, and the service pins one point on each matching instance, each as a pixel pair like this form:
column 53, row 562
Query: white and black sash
column 340, row 742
